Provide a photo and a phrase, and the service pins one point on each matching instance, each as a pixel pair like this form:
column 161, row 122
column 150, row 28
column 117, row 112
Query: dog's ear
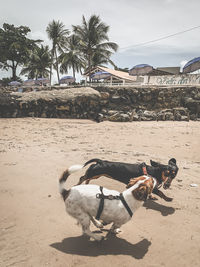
column 154, row 164
column 158, row 165
column 172, row 161
column 132, row 182
column 141, row 193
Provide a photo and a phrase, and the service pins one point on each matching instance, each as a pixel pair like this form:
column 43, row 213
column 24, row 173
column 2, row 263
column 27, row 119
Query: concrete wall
column 184, row 79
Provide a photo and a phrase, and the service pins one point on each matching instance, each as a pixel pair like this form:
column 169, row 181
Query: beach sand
column 36, row 231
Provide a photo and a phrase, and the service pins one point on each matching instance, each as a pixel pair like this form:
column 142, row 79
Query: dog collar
column 144, row 168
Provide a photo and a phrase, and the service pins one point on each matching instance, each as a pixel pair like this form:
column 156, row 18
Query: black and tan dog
column 123, row 172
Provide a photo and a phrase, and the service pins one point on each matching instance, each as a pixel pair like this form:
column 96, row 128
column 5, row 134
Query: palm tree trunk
column 57, row 67
column 73, row 69
column 89, row 66
column 51, row 66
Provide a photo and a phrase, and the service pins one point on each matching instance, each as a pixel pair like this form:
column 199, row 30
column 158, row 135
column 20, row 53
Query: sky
column 134, row 25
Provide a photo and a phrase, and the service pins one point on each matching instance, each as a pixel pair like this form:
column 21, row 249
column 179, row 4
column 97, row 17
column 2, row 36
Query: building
column 113, row 76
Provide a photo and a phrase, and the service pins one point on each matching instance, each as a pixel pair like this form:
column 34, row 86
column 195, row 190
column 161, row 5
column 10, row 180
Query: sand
column 34, row 227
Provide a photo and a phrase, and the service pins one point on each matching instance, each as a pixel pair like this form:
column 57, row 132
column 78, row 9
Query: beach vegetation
column 72, row 57
column 15, row 47
column 58, row 34
column 94, row 41
column 39, row 63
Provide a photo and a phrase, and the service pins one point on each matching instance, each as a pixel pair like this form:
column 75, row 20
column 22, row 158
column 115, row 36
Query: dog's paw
column 168, row 199
column 99, row 225
column 116, row 231
column 153, row 198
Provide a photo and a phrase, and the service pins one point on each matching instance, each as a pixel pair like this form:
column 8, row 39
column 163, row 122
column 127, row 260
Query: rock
column 184, row 118
column 99, row 117
column 164, row 115
column 119, row 117
column 104, row 95
column 192, row 104
column 150, row 115
column 181, row 110
column 63, row 108
column 177, row 116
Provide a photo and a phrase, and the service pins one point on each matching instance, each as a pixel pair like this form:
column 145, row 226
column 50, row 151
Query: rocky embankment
column 83, row 103
column 103, row 103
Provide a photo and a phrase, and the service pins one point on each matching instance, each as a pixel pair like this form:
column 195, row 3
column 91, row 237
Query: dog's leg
column 85, row 223
column 82, row 179
column 162, row 195
column 151, row 197
column 115, row 229
column 86, row 179
column 97, row 223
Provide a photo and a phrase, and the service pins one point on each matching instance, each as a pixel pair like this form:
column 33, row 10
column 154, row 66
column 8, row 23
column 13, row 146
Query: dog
column 83, row 202
column 123, row 172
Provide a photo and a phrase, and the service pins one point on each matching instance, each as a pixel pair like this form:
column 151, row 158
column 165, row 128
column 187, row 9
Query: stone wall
column 66, row 103
column 150, row 103
column 105, row 103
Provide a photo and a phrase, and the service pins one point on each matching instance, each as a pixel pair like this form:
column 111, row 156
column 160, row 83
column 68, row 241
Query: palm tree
column 93, row 39
column 38, row 64
column 72, row 58
column 58, row 34
column 101, row 58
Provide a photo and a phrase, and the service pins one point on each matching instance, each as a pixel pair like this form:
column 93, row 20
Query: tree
column 72, row 58
column 15, row 47
column 101, row 58
column 93, row 40
column 39, row 63
column 58, row 34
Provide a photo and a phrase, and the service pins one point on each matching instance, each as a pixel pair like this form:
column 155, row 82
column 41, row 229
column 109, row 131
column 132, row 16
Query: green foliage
column 39, row 63
column 6, row 81
column 88, row 47
column 58, row 35
column 14, row 47
column 94, row 41
column 72, row 57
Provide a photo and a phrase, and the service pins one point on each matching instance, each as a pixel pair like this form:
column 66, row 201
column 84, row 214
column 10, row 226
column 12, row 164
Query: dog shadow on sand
column 80, row 245
column 164, row 210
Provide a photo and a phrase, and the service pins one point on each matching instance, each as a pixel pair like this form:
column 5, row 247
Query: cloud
column 131, row 23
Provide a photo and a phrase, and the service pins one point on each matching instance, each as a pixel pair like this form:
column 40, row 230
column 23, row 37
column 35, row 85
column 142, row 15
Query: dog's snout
column 167, row 184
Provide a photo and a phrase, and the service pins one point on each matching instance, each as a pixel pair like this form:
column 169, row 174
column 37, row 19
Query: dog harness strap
column 125, row 204
column 101, row 204
column 110, row 197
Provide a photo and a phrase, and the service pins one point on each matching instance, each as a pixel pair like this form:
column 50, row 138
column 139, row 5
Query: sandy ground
column 34, row 227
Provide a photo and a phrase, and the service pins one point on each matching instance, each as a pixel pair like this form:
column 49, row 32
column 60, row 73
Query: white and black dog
column 84, row 202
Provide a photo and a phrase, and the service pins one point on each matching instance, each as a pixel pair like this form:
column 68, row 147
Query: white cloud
column 131, row 23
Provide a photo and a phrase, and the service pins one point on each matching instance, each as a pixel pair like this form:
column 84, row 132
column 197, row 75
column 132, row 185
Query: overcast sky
column 132, row 22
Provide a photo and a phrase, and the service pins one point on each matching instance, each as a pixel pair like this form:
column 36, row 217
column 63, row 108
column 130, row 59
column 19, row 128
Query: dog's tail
column 64, row 193
column 92, row 160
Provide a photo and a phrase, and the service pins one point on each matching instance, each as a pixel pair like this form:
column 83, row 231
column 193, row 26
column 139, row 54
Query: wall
column 150, row 102
column 125, row 103
column 184, row 79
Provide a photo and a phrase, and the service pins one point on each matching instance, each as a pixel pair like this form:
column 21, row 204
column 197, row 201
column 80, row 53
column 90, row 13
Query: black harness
column 101, row 196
